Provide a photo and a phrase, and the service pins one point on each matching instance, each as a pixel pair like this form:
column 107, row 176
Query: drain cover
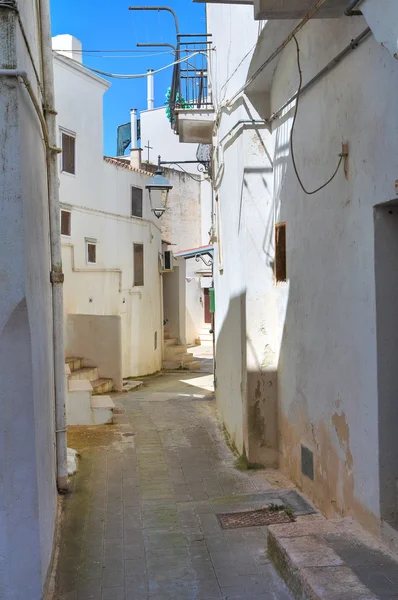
column 253, row 518
column 129, row 434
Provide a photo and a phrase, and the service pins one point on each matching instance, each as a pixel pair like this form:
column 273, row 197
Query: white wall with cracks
column 28, row 495
column 307, row 368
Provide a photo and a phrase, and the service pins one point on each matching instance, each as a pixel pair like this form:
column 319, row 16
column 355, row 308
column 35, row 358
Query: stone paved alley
column 140, row 521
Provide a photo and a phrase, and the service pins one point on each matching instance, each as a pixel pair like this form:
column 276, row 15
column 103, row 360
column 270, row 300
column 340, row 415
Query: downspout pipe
column 56, row 275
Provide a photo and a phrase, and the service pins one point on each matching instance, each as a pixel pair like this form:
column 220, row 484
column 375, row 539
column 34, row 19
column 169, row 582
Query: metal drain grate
column 253, row 518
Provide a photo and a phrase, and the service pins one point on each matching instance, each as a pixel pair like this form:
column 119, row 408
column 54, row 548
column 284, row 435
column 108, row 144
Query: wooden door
column 207, row 305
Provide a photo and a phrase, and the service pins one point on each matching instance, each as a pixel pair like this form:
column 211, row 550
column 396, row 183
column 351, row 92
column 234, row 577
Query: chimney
column 150, row 93
column 68, row 46
column 135, row 153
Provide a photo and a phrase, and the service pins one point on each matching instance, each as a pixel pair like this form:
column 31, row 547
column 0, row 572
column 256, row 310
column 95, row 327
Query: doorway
column 386, row 279
column 207, row 316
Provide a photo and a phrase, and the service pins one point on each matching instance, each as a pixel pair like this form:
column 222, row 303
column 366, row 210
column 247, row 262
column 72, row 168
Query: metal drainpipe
column 56, row 275
column 350, row 12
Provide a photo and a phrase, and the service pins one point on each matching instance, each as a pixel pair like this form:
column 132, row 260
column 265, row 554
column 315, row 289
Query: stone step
column 170, row 342
column 102, row 385
column 78, row 402
column 193, row 365
column 171, row 365
column 186, row 365
column 80, row 385
column 102, row 410
column 206, row 337
column 90, row 373
column 171, row 351
column 74, row 363
column 332, row 560
column 187, row 358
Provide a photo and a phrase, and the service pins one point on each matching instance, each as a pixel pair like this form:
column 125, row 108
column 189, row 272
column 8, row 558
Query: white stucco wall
column 99, row 197
column 187, row 221
column 156, row 128
column 315, row 335
column 27, row 473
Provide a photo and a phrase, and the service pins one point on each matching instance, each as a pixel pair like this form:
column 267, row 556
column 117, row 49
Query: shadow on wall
column 246, row 398
column 19, row 497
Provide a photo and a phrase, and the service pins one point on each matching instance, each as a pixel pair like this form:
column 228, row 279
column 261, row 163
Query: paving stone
column 115, row 593
column 150, row 530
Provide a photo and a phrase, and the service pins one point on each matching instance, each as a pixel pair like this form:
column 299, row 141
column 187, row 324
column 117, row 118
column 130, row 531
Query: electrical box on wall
column 167, row 261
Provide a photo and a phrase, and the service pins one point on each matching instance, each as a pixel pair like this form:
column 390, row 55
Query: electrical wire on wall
column 342, row 155
column 141, row 75
column 194, row 177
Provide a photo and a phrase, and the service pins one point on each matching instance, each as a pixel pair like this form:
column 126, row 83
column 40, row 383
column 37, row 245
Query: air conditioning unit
column 167, row 262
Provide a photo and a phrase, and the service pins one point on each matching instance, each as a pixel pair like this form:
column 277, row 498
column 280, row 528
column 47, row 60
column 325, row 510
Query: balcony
column 288, row 9
column 190, row 104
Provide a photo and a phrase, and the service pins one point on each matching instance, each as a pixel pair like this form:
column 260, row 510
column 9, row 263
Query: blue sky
column 104, row 25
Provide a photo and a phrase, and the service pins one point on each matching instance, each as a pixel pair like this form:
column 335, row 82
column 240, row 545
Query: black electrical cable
column 309, row 193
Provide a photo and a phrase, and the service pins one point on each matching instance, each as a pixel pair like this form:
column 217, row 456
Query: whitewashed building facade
column 111, row 241
column 33, row 456
column 305, row 284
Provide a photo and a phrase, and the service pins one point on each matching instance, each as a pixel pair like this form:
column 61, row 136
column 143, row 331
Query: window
column 66, row 216
column 68, row 153
column 91, row 251
column 280, row 252
column 136, row 201
column 138, row 264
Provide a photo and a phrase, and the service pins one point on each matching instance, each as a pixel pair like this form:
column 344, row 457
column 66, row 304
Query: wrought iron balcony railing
column 190, row 86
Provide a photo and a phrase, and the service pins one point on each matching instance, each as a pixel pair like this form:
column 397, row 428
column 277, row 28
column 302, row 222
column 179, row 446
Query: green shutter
column 212, row 300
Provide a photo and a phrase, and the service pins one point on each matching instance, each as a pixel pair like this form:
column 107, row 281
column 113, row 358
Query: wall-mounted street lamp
column 158, row 188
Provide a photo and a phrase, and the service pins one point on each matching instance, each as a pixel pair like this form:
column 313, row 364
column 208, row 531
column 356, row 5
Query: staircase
column 175, row 356
column 205, row 335
column 87, row 403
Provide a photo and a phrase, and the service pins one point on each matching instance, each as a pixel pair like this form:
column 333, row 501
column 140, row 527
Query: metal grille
column 190, row 83
column 253, row 518
column 204, row 156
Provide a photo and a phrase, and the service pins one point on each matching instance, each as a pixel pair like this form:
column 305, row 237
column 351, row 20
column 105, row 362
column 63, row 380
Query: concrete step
column 74, row 363
column 187, row 358
column 102, row 385
column 170, row 342
column 171, row 365
column 206, row 337
column 193, row 365
column 90, row 373
column 102, row 410
column 171, row 351
column 78, row 402
column 332, row 560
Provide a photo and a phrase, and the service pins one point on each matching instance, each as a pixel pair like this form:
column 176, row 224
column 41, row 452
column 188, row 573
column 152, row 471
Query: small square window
column 136, row 201
column 91, row 252
column 66, row 217
column 280, row 252
column 138, row 264
column 68, row 158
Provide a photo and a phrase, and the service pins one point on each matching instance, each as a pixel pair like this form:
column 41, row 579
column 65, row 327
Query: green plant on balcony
column 179, row 102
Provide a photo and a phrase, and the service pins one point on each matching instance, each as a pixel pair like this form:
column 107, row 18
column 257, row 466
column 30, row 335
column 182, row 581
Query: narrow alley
column 140, row 520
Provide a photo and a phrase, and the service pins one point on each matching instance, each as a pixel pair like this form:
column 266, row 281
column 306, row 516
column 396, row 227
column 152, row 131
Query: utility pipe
column 56, row 274
column 280, row 48
column 150, row 90
column 133, row 121
column 333, row 63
